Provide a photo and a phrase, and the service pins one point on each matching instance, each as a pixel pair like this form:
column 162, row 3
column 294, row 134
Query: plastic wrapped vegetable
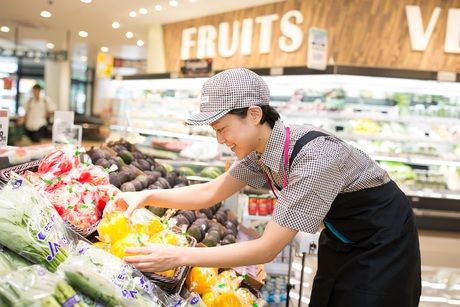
column 31, row 227
column 12, row 261
column 36, row 287
column 60, row 162
column 106, row 279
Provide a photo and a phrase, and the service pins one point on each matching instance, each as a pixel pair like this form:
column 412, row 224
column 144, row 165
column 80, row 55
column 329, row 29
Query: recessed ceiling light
column 104, row 49
column 143, row 11
column 193, row 1
column 45, row 14
column 132, row 14
column 158, row 8
column 50, row 45
column 129, row 34
column 115, row 24
column 5, row 29
column 83, row 58
column 83, row 34
column 86, row 1
column 140, row 43
column 173, row 3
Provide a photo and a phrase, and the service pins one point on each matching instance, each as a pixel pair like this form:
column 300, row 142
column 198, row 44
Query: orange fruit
column 200, row 280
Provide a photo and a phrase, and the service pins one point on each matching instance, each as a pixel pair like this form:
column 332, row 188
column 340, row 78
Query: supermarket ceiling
column 95, row 17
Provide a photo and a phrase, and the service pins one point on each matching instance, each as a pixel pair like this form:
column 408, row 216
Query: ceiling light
column 83, row 58
column 173, row 3
column 158, row 8
column 193, row 1
column 115, row 24
column 86, row 1
column 104, row 49
column 45, row 14
column 129, row 34
column 50, row 45
column 132, row 14
column 140, row 43
column 143, row 11
column 83, row 34
column 4, row 29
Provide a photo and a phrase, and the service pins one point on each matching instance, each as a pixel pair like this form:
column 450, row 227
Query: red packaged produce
column 252, row 205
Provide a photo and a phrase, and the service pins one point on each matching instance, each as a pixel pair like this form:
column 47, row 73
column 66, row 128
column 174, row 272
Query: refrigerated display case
column 411, row 127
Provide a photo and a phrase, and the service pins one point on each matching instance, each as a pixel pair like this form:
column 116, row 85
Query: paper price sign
column 4, row 122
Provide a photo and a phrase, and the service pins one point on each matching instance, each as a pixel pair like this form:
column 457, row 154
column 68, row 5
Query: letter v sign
column 418, row 38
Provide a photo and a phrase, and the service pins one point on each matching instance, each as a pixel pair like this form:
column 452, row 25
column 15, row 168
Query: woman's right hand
column 130, row 201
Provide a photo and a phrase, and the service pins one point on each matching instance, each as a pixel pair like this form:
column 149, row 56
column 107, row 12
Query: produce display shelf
column 192, row 162
column 437, row 194
column 415, row 160
column 415, row 119
column 400, row 139
column 251, row 217
column 145, row 131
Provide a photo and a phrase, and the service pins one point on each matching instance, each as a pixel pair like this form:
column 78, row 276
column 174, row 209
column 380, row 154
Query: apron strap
column 304, row 140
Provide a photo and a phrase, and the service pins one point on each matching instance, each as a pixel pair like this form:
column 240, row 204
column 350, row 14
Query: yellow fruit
column 246, row 297
column 230, row 279
column 165, row 237
column 200, row 280
column 132, row 240
column 113, row 227
column 209, row 298
column 155, row 226
column 227, row 299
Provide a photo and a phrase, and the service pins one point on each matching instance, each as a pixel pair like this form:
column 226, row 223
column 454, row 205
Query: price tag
column 4, row 123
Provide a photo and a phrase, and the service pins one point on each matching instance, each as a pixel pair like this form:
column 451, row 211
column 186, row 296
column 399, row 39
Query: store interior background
column 113, row 62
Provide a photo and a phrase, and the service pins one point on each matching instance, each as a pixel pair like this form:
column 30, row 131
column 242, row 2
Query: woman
column 368, row 252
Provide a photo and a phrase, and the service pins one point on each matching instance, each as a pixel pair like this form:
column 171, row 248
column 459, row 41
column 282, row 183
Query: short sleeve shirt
column 323, row 169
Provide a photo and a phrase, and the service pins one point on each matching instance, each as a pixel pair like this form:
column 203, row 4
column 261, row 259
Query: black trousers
column 36, row 136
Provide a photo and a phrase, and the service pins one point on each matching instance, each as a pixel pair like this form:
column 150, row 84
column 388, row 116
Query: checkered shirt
column 323, row 169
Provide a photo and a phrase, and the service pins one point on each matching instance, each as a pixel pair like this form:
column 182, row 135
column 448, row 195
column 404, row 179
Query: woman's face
column 241, row 135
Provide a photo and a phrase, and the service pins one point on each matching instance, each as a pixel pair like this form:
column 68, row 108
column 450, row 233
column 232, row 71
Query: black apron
column 368, row 253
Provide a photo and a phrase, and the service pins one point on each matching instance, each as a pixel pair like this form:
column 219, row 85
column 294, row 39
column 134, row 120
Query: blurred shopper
column 38, row 111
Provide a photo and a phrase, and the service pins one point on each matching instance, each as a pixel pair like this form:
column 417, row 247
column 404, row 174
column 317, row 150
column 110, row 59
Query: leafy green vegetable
column 30, row 226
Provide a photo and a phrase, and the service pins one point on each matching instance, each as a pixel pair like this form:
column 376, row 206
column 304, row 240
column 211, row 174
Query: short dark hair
column 37, row 87
column 269, row 114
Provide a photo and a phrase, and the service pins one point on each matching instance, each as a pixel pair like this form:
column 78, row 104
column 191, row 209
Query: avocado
column 157, row 210
column 196, row 232
column 209, row 241
column 181, row 220
column 114, row 179
column 207, row 211
column 214, row 233
column 103, row 162
column 137, row 184
column 144, row 165
column 126, row 156
column 144, row 180
column 124, row 176
column 190, row 215
column 230, row 238
column 128, row 187
column 163, row 183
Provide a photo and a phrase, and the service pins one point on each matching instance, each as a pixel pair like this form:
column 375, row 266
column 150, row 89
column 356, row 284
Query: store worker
column 368, row 250
column 38, row 111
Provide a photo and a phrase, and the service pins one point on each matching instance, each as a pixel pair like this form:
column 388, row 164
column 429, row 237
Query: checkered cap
column 231, row 89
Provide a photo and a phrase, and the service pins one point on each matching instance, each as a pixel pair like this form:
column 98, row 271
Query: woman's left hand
column 154, row 257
